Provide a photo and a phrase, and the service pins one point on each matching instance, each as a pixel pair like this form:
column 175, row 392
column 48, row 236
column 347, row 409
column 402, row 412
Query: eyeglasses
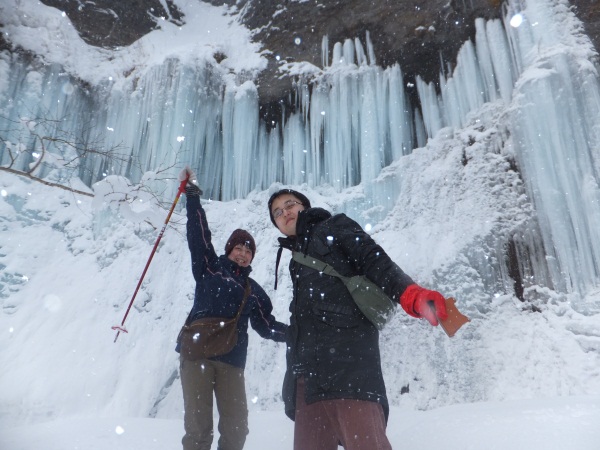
column 286, row 207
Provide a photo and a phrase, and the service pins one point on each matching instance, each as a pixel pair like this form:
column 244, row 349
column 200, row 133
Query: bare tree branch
column 47, row 183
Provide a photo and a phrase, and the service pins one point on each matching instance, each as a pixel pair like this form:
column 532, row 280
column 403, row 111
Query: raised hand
column 191, row 187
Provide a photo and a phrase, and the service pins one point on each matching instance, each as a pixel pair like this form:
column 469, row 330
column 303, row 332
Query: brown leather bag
column 210, row 336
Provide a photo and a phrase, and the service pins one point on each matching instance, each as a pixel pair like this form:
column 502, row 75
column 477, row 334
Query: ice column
column 556, row 121
column 539, row 64
column 40, row 107
column 358, row 119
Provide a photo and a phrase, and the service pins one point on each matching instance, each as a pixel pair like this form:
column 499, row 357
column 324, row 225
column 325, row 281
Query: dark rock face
column 417, row 34
column 421, row 35
column 588, row 11
column 115, row 23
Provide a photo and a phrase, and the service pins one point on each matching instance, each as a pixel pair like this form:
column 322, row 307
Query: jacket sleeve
column 369, row 258
column 199, row 238
column 261, row 319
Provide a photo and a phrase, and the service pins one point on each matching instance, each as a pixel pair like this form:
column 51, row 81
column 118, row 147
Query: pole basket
column 119, row 328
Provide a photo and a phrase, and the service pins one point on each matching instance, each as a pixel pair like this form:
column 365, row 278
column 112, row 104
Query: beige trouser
column 199, row 379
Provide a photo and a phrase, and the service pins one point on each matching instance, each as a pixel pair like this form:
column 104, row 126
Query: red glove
column 423, row 303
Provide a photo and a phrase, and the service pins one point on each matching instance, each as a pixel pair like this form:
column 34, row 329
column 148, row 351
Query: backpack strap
column 316, row 264
column 279, row 250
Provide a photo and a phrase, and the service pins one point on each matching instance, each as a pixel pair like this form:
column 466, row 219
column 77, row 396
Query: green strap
column 372, row 301
column 316, row 264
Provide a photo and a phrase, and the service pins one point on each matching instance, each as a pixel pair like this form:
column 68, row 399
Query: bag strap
column 247, row 291
column 316, row 264
column 246, row 295
column 279, row 251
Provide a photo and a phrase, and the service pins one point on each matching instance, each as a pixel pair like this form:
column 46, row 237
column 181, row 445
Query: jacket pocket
column 338, row 316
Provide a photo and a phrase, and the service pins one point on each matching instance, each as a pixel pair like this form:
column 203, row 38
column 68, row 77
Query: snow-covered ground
column 546, row 424
column 543, row 424
column 69, row 268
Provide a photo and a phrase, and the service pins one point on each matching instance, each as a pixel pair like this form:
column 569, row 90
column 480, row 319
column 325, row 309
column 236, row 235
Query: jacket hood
column 308, row 219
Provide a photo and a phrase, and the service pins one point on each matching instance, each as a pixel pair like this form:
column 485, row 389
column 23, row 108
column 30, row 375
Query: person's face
column 241, row 255
column 285, row 209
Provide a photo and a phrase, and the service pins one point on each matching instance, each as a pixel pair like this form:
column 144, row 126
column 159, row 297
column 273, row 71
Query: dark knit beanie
column 303, row 199
column 240, row 236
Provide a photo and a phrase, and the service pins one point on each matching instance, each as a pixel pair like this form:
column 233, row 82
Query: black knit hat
column 240, row 236
column 303, row 199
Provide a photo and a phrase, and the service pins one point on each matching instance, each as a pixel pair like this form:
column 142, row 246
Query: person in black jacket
column 333, row 387
column 220, row 285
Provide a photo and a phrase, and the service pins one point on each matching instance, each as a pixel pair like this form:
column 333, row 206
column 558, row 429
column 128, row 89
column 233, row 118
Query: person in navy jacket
column 220, row 285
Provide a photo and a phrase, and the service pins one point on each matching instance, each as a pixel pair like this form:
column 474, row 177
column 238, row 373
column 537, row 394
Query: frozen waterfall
column 351, row 120
column 354, row 122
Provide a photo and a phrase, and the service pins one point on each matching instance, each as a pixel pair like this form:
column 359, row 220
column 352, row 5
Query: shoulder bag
column 210, row 336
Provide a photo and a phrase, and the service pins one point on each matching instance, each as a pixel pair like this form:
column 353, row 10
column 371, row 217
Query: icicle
column 502, row 62
column 401, row 139
column 325, row 52
column 348, row 52
column 371, row 50
column 337, row 57
column 361, row 58
column 430, row 106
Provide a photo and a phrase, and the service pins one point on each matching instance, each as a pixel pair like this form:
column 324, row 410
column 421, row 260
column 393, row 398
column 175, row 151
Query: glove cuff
column 408, row 298
column 192, row 190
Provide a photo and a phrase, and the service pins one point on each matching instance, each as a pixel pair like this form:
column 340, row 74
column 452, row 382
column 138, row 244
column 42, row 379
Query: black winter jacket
column 220, row 285
column 330, row 342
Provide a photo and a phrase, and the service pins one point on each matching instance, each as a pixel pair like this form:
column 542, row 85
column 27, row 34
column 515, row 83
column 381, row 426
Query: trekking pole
column 120, row 328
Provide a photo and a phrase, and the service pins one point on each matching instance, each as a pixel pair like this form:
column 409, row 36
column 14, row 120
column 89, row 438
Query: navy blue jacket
column 220, row 285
